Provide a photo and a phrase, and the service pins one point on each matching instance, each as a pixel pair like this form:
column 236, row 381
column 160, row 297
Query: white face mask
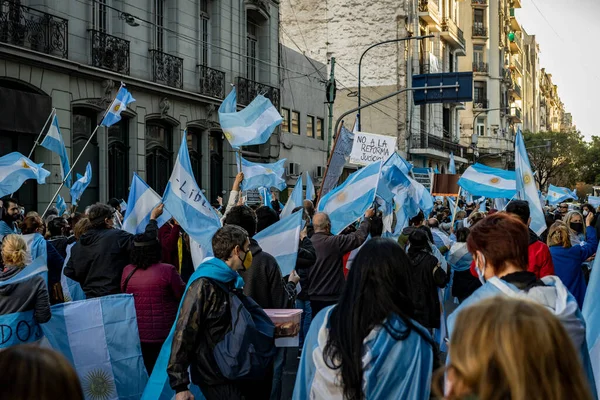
column 585, row 213
column 480, row 270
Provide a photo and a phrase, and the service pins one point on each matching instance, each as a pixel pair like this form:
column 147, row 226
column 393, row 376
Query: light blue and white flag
column 481, row 180
column 72, row 290
column 558, row 195
column 143, row 200
column 591, row 314
column 61, row 205
column 15, row 169
column 452, row 165
column 263, row 175
column 6, row 230
column 36, row 246
column 594, row 201
column 500, row 204
column 526, row 187
column 54, row 142
column 187, row 204
column 310, row 188
column 349, row 201
column 281, row 240
column 341, row 152
column 295, row 200
column 113, row 114
column 482, row 204
column 265, row 193
column 81, row 184
column 252, row 125
column 100, row 338
column 123, row 205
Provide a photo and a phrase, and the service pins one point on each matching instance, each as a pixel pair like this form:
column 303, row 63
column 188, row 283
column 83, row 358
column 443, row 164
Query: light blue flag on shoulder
column 81, row 184
column 294, row 201
column 252, row 125
column 36, row 245
column 54, row 142
column 72, row 290
column 310, row 188
column 15, row 169
column 143, row 200
column 61, row 206
column 493, row 183
column 263, row 175
column 452, row 165
column 526, row 187
column 591, row 314
column 21, row 328
column 6, row 230
column 349, row 201
column 113, row 114
column 281, row 240
column 100, row 338
column 184, row 200
column 558, row 194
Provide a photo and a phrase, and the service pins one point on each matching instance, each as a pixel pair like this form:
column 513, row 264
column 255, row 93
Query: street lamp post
column 369, row 48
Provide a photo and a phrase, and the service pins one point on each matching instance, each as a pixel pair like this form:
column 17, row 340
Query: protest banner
column 369, row 148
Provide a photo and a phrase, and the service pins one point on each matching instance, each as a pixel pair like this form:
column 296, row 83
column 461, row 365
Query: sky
column 568, row 32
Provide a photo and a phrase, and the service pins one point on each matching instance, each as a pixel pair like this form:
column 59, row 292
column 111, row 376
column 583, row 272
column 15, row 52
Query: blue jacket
column 567, row 264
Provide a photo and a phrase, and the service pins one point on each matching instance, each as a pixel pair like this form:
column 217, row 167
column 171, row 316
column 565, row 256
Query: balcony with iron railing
column 480, row 67
column 479, row 2
column 515, row 113
column 33, row 29
column 429, row 12
column 453, row 34
column 428, row 141
column 110, row 52
column 480, row 104
column 516, row 64
column 480, row 32
column 212, row 82
column 514, row 24
column 516, row 90
column 167, row 69
column 247, row 90
column 516, row 44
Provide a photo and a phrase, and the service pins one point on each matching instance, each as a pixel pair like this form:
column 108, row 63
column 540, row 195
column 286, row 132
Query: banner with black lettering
column 18, row 328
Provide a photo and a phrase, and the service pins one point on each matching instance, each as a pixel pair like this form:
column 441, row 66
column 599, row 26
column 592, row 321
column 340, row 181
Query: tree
column 590, row 163
column 559, row 165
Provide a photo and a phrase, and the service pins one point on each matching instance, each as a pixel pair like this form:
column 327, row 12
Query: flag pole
column 456, row 206
column 37, row 141
column 335, row 142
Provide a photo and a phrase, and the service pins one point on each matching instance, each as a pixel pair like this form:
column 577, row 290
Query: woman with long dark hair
column 368, row 345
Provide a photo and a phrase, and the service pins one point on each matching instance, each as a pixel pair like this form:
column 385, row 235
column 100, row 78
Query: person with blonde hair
column 26, row 295
column 567, row 258
column 505, row 348
column 577, row 227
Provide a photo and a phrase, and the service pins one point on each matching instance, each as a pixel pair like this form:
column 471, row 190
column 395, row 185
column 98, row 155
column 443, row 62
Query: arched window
column 216, row 165
column 194, row 144
column 118, row 159
column 84, row 123
column 159, row 155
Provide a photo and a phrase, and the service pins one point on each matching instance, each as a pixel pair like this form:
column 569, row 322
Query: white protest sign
column 369, row 148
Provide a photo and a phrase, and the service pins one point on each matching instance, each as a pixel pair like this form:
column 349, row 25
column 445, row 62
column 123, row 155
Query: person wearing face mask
column 589, row 209
column 99, row 257
column 499, row 244
column 574, row 221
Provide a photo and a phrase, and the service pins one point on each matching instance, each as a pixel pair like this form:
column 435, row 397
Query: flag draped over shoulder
column 341, row 152
column 526, row 187
column 493, row 183
column 143, row 200
column 349, row 201
column 295, row 199
column 72, row 290
column 54, row 142
column 281, row 240
column 81, row 184
column 591, row 314
column 113, row 114
column 15, row 169
column 557, row 194
column 258, row 175
column 252, row 125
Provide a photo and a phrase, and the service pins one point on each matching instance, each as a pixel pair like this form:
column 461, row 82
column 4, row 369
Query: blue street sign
column 447, row 95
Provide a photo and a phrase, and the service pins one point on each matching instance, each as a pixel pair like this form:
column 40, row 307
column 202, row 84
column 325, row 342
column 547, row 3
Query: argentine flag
column 265, row 193
column 113, row 114
column 591, row 314
column 61, row 206
column 253, row 125
column 349, row 201
column 493, row 183
column 54, row 142
column 557, row 194
column 184, row 200
column 294, row 201
column 143, row 200
column 452, row 165
column 594, row 201
column 100, row 338
column 310, row 188
column 15, row 169
column 72, row 290
column 262, row 175
column 281, row 240
column 81, row 184
column 526, row 187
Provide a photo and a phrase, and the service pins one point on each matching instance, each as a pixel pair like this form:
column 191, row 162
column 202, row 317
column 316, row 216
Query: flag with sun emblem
column 15, row 169
column 526, row 187
column 113, row 114
column 557, row 194
column 252, row 125
column 349, row 201
column 258, row 175
column 493, row 183
column 100, row 338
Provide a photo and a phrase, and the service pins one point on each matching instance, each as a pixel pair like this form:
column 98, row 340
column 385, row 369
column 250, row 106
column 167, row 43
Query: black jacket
column 60, row 243
column 306, row 259
column 27, row 295
column 55, row 267
column 264, row 283
column 425, row 283
column 98, row 258
column 326, row 277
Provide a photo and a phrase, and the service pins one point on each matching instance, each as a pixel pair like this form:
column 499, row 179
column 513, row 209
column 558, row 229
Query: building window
column 194, row 144
column 320, row 125
column 310, row 126
column 118, row 159
column 159, row 141
column 204, row 19
column 478, row 19
column 480, row 126
column 295, row 123
column 479, row 95
column 100, row 15
column 285, row 124
column 478, row 54
column 251, row 49
column 159, row 24
column 84, row 122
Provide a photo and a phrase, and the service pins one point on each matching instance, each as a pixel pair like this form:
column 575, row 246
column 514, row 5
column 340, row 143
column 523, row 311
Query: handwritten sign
column 369, row 148
column 18, row 328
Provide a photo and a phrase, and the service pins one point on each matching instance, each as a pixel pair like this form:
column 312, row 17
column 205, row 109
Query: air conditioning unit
column 319, row 172
column 293, row 169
